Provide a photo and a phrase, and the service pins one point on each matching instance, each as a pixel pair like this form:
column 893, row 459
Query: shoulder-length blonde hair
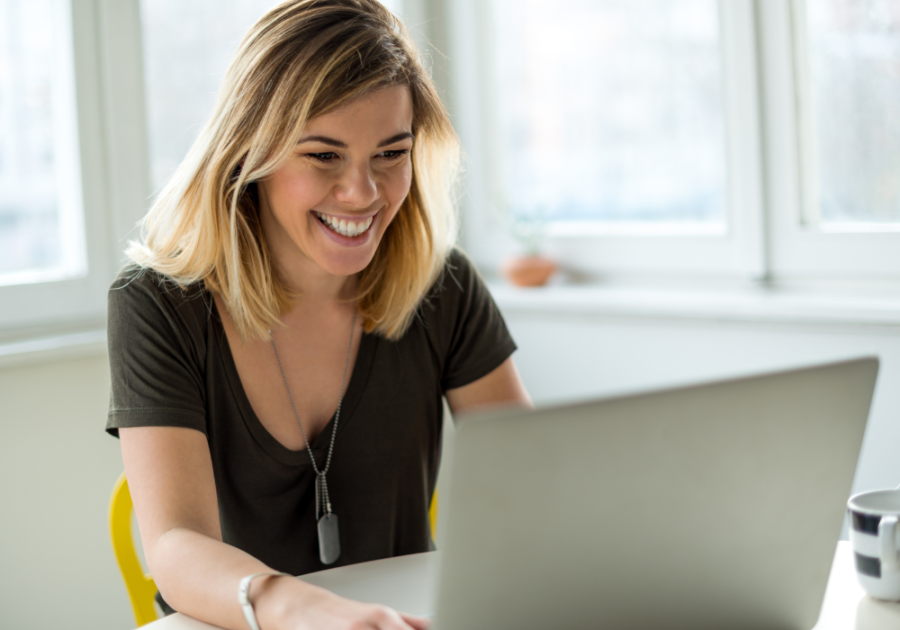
column 302, row 59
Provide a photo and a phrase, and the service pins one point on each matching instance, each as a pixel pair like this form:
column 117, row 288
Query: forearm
column 199, row 576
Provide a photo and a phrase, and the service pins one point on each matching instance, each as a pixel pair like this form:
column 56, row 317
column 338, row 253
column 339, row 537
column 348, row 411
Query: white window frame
column 800, row 252
column 110, row 181
column 765, row 241
column 599, row 248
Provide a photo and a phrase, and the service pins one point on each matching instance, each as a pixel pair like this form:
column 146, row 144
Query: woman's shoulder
column 141, row 294
column 135, row 282
column 457, row 291
column 157, row 335
column 458, row 279
column 458, row 262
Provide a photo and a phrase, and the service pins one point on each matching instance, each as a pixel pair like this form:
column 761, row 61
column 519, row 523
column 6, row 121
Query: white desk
column 405, row 583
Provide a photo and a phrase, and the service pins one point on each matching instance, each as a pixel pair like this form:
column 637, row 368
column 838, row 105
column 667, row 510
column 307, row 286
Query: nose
column 356, row 187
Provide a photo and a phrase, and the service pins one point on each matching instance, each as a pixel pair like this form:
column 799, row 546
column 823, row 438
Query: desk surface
column 405, row 583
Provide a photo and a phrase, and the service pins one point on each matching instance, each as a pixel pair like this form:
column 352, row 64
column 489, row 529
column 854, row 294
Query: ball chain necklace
column 326, row 520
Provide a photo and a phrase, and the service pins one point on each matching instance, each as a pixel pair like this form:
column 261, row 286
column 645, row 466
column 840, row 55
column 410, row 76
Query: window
column 829, row 129
column 180, row 96
column 850, row 56
column 657, row 139
column 731, row 139
column 41, row 233
column 625, row 126
column 57, row 226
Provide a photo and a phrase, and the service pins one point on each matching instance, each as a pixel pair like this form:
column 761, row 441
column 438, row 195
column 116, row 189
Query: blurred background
column 718, row 183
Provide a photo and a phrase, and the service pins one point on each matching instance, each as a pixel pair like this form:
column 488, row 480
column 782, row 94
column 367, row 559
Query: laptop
column 710, row 506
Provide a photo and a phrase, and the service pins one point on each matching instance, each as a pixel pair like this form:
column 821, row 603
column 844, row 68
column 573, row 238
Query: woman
column 293, row 318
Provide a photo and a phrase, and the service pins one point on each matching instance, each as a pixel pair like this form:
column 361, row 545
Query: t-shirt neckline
column 359, row 376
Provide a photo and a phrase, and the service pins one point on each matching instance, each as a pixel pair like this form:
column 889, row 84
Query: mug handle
column 887, row 540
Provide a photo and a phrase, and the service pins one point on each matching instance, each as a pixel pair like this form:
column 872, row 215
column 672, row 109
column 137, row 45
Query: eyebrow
column 342, row 145
column 397, row 138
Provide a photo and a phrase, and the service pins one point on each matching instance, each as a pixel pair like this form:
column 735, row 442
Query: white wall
column 57, row 468
column 565, row 357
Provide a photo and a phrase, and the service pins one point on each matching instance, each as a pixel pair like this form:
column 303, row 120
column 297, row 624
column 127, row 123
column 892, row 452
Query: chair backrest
column 433, row 513
column 141, row 587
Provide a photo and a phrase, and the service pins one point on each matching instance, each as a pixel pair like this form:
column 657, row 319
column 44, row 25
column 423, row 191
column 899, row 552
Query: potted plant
column 531, row 269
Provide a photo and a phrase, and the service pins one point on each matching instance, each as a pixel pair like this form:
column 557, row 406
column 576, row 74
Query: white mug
column 874, row 532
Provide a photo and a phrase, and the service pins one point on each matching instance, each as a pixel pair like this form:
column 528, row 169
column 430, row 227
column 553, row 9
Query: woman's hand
column 287, row 603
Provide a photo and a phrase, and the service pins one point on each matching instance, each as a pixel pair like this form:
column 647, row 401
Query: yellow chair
column 432, row 514
column 141, row 587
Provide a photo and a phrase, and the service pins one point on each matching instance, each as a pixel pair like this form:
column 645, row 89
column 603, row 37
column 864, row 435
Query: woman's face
column 329, row 204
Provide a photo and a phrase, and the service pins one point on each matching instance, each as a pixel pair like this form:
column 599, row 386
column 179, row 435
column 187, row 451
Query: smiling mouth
column 343, row 226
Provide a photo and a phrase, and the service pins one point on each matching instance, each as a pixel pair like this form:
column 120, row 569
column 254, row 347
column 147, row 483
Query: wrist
column 282, row 601
column 250, row 590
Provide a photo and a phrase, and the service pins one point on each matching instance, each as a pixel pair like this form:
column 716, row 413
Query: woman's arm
column 501, row 387
column 170, row 476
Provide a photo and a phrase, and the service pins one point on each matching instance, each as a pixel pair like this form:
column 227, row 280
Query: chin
column 347, row 263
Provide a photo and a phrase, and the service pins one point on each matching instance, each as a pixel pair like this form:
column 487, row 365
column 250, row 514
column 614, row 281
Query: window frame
column 800, row 252
column 769, row 171
column 110, row 176
column 604, row 249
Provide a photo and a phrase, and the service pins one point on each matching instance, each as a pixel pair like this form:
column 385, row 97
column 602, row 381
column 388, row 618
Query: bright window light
column 854, row 89
column 41, row 229
column 611, row 111
column 187, row 49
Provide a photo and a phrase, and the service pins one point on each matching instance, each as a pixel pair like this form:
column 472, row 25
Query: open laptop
column 711, row 506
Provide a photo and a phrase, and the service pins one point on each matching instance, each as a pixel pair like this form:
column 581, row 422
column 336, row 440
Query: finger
column 416, row 623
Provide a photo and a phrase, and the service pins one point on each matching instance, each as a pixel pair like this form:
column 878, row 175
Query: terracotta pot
column 528, row 271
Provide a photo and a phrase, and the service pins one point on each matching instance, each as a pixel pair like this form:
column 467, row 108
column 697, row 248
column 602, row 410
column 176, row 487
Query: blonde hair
column 302, row 59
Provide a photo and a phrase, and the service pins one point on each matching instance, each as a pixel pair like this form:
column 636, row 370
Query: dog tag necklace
column 326, row 520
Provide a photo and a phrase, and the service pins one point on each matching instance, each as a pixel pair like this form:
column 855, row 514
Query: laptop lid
column 710, row 506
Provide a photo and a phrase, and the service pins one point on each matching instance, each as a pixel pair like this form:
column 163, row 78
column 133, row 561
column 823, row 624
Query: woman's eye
column 323, row 157
column 394, row 154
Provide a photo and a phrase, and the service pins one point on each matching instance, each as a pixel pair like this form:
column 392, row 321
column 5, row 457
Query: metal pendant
column 329, row 538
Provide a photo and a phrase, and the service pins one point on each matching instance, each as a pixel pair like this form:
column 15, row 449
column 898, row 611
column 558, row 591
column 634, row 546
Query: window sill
column 53, row 348
column 760, row 305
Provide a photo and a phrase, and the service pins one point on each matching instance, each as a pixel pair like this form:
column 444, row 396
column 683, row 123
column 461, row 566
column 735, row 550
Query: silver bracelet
column 244, row 598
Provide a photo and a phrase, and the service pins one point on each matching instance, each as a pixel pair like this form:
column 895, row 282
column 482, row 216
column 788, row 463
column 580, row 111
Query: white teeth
column 343, row 226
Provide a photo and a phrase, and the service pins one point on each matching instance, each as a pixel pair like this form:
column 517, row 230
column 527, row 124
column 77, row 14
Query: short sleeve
column 156, row 367
column 474, row 337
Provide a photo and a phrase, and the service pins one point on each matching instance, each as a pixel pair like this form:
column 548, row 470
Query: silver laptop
column 712, row 506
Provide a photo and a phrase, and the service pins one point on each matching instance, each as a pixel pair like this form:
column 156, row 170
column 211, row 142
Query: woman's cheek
column 403, row 184
column 307, row 187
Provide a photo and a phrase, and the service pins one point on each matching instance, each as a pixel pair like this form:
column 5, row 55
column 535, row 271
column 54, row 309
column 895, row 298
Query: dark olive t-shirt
column 171, row 366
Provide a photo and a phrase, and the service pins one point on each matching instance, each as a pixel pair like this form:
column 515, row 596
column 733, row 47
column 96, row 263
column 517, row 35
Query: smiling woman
column 205, row 223
column 294, row 315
